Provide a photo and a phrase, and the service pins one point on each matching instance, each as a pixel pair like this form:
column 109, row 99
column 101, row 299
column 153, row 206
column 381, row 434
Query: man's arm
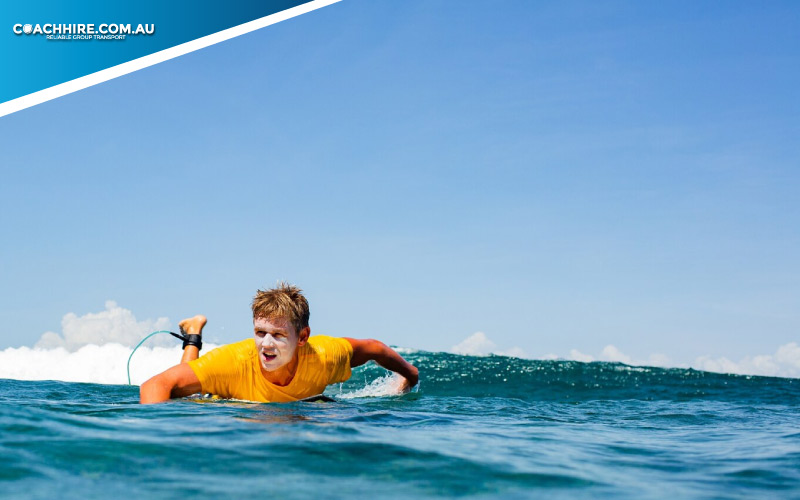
column 373, row 350
column 176, row 382
column 179, row 380
column 192, row 326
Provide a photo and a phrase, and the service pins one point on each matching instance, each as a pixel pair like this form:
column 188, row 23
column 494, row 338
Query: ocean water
column 483, row 427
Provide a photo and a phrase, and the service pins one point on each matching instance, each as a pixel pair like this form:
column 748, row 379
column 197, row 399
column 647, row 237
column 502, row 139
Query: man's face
column 276, row 342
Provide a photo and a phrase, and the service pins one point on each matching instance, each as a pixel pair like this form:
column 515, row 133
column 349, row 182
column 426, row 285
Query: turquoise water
column 491, row 427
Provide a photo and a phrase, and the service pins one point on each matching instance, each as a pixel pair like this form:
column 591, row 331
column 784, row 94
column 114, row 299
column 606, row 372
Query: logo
column 105, row 31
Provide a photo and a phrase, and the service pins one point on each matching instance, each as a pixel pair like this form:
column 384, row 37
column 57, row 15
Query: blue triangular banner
column 46, row 43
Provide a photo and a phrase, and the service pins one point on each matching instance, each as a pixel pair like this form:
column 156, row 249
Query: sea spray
column 387, row 385
column 105, row 364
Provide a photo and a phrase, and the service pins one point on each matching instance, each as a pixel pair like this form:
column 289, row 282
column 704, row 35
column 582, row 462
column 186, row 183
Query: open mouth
column 268, row 357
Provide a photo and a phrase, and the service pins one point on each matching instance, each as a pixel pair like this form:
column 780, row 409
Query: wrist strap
column 192, row 339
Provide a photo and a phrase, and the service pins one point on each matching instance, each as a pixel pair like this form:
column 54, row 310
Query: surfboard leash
column 180, row 336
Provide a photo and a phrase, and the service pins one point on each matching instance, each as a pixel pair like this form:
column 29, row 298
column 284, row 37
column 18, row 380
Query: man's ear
column 303, row 336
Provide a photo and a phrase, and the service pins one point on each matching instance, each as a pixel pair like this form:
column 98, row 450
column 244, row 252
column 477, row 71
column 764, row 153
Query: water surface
column 492, row 427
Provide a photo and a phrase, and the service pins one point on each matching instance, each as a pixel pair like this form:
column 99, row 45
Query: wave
column 784, row 362
column 441, row 374
column 453, row 375
column 101, row 364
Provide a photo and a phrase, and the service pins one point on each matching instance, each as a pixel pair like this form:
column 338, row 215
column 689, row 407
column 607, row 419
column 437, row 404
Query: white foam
column 104, row 364
column 388, row 385
column 405, row 350
column 95, row 348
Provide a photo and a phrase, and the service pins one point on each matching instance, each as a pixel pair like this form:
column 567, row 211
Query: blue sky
column 558, row 175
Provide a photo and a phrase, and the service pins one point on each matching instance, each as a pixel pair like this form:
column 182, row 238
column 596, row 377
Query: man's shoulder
column 326, row 346
column 329, row 360
column 242, row 348
column 317, row 339
column 323, row 341
column 242, row 344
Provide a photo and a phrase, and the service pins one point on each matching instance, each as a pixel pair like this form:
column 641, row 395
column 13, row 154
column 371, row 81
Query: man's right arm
column 177, row 382
column 374, row 350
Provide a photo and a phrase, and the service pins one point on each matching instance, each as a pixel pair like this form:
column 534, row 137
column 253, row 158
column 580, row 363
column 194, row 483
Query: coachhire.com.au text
column 84, row 31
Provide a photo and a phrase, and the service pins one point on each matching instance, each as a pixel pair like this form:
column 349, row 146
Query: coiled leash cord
column 187, row 338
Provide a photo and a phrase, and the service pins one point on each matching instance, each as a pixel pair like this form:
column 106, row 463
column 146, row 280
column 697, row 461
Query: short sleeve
column 217, row 370
column 338, row 353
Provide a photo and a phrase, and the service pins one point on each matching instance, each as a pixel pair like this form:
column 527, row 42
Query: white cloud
column 577, row 355
column 784, row 363
column 113, row 325
column 611, row 353
column 789, row 354
column 659, row 360
column 478, row 344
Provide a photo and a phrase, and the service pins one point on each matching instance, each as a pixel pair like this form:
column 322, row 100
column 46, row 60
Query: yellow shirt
column 234, row 370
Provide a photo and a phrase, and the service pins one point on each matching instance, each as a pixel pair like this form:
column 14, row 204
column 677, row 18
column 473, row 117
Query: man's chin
column 271, row 366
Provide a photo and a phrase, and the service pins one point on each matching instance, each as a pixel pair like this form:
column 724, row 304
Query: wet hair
column 284, row 301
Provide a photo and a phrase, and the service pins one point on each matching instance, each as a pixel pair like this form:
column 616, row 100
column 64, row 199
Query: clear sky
column 558, row 175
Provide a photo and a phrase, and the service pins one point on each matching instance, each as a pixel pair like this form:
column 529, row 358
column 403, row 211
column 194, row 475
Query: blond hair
column 284, row 301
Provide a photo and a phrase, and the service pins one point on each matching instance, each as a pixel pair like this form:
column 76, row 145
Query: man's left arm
column 374, row 350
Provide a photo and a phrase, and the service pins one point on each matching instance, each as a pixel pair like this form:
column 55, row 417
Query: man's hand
column 369, row 349
column 192, row 326
column 405, row 385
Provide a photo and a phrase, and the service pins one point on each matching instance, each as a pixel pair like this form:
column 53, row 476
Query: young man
column 281, row 364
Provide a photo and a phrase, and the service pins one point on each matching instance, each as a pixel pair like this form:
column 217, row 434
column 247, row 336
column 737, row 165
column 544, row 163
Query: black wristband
column 192, row 339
